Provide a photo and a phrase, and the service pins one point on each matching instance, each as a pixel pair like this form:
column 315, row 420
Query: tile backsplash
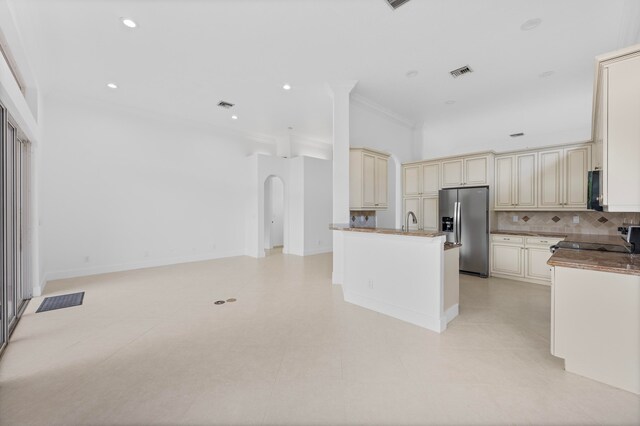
column 590, row 222
column 362, row 219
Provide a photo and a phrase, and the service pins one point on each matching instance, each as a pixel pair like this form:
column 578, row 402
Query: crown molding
column 386, row 112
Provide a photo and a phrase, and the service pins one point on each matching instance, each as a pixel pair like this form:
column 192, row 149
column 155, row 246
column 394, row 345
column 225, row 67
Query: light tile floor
column 151, row 347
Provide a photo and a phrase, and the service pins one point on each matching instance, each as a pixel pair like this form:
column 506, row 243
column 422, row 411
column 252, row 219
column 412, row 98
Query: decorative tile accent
column 526, row 218
column 591, row 222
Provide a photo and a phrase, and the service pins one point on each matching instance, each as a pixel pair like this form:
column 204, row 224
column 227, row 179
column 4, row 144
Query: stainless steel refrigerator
column 464, row 218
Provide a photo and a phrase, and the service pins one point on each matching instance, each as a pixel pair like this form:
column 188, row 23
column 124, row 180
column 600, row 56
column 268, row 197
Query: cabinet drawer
column 509, row 239
column 542, row 241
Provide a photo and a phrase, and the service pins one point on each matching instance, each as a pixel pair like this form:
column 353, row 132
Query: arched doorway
column 274, row 211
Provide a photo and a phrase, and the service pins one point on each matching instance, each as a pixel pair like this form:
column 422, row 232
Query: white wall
column 122, row 190
column 372, row 128
column 463, row 129
column 318, row 198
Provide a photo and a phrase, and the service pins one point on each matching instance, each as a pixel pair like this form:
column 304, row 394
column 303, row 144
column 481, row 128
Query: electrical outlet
column 371, row 284
column 576, row 219
column 319, row 242
column 87, row 259
column 514, row 218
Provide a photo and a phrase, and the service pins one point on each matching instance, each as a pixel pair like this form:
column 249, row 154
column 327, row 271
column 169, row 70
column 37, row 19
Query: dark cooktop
column 616, row 248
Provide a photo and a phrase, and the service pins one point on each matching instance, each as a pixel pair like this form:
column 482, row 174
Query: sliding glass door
column 15, row 167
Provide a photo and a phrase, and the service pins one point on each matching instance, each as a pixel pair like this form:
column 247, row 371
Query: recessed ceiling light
column 290, row 128
column 286, row 86
column 411, row 74
column 450, row 102
column 112, row 85
column 129, row 22
column 234, row 117
column 530, row 24
column 546, row 74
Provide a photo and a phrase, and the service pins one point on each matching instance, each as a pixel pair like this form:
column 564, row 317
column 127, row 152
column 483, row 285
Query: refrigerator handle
column 455, row 222
column 458, row 230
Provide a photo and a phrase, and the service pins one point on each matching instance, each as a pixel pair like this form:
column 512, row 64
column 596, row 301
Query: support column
column 340, row 93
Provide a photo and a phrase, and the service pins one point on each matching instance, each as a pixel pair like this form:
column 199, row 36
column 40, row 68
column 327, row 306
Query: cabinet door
column 411, row 205
column 623, row 135
column 550, row 179
column 368, row 180
column 475, row 171
column 381, row 181
column 452, row 173
column 504, row 183
column 537, row 267
column 430, row 179
column 525, row 180
column 411, row 180
column 430, row 214
column 506, row 259
column 576, row 166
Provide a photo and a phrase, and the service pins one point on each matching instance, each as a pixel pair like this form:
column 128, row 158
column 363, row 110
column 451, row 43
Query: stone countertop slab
column 388, row 231
column 619, row 263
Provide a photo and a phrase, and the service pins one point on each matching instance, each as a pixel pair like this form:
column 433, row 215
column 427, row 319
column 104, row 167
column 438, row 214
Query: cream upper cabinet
column 562, row 178
column 452, row 173
column 503, row 188
column 429, row 214
column 616, row 130
column 576, row 167
column 411, row 177
column 430, row 178
column 381, row 179
column 368, row 175
column 476, row 171
column 515, row 181
column 471, row 171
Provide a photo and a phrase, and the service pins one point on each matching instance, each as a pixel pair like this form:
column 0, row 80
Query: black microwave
column 593, row 190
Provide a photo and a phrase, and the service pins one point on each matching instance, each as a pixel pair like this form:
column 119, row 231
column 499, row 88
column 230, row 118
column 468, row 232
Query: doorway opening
column 273, row 215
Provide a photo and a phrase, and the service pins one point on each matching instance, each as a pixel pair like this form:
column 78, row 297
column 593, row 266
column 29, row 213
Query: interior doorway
column 273, row 215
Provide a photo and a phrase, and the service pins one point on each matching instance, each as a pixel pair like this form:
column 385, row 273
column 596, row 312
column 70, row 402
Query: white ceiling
column 186, row 55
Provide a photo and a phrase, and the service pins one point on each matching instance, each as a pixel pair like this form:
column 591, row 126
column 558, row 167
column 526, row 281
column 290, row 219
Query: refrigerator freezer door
column 447, row 213
column 474, row 252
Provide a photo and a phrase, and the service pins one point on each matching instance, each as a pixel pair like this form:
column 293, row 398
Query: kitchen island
column 411, row 276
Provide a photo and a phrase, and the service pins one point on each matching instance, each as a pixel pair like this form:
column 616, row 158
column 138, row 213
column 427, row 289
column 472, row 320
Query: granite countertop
column 388, row 231
column 449, row 246
column 620, row 263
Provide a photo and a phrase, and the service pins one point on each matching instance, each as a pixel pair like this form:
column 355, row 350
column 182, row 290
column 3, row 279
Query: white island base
column 403, row 276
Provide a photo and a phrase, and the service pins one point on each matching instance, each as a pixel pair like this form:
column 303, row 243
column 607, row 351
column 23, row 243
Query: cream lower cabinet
column 521, row 258
column 426, row 211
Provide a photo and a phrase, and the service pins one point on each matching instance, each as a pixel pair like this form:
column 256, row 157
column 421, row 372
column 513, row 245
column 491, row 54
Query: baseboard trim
column 105, row 269
column 451, row 313
column 319, row 250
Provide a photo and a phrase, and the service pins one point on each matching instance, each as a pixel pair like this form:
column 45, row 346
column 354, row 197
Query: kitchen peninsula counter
column 411, row 276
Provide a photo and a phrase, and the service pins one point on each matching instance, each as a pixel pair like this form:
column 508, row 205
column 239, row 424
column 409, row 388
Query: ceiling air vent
column 396, row 3
column 461, row 71
column 225, row 105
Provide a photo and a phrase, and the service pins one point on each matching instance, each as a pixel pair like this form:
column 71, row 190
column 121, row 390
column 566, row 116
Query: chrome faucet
column 415, row 220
